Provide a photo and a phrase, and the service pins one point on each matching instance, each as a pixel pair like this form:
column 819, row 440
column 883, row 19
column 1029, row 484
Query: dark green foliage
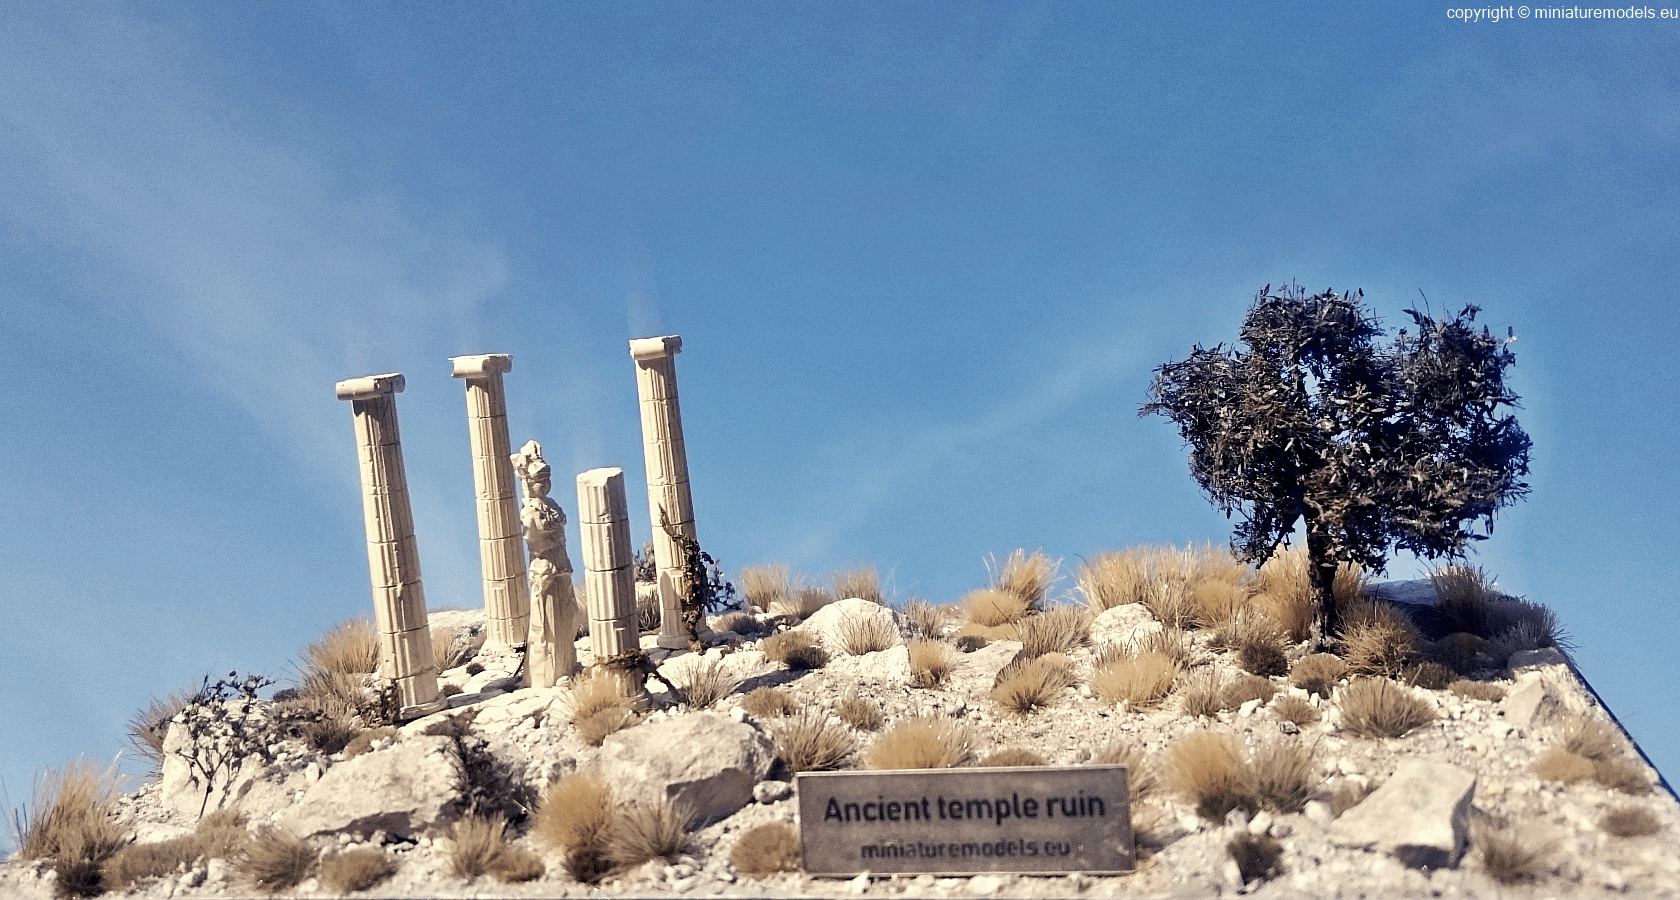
column 487, row 787
column 1369, row 446
column 1257, row 855
column 704, row 588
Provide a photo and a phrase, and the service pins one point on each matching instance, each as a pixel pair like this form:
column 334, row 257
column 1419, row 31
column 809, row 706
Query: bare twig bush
column 1291, row 708
column 861, row 582
column 1256, row 855
column 575, row 816
column 767, row 850
column 921, row 742
column 931, row 663
column 1279, row 775
column 1034, row 683
column 1558, row 764
column 860, row 634
column 1027, row 578
column 926, row 620
column 1012, row 756
column 356, row 870
column 275, row 860
column 1630, row 821
column 769, row 702
column 1141, row 782
column 991, row 607
column 647, row 830
column 1507, row 855
column 764, row 586
column 1244, row 688
column 706, row 682
column 1477, row 690
column 1112, row 578
column 1206, row 767
column 1377, row 640
column 860, row 712
column 1059, row 629
column 798, row 650
column 1202, row 693
column 1379, row 708
column 1318, row 673
column 809, row 742
column 1141, row 681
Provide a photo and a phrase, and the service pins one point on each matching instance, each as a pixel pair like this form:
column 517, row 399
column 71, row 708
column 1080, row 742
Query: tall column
column 609, row 580
column 669, row 502
column 552, row 651
column 399, row 601
column 507, row 602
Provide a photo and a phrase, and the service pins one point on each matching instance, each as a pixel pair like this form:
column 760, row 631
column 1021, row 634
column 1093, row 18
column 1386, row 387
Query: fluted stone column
column 552, row 651
column 399, row 601
column 507, row 602
column 609, row 580
column 669, row 503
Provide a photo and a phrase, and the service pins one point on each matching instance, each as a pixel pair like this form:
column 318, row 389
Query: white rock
column 1421, row 815
column 405, row 790
column 827, row 624
column 1127, row 623
column 705, row 761
column 1261, row 823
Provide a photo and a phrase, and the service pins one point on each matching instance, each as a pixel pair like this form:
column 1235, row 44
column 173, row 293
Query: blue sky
column 923, row 258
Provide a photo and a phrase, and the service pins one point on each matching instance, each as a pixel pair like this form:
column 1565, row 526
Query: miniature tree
column 1370, row 446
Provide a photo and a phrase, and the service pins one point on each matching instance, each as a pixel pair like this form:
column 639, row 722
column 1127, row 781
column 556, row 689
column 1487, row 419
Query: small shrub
column 348, row 648
column 1141, row 783
column 1431, row 676
column 1206, row 767
column 1257, row 855
column 363, row 742
column 1245, row 688
column 1056, row 630
column 858, row 635
column 1027, row 578
column 1621, row 775
column 926, row 620
column 809, row 742
column 1291, row 708
column 764, row 586
column 648, row 830
column 1630, row 821
column 991, row 607
column 860, row 712
column 1012, row 756
column 575, row 816
column 1141, row 681
column 1202, row 693
column 1317, row 673
column 1033, row 685
column 1279, row 775
column 922, row 742
column 1477, row 690
column 705, row 682
column 1379, row 708
column 769, row 702
column 1507, row 856
column 931, row 663
column 862, row 583
column 796, row 649
column 1560, row 765
column 356, row 870
column 515, row 865
column 1112, row 579
column 275, row 861
column 1377, row 640
column 767, row 850
column 1590, row 738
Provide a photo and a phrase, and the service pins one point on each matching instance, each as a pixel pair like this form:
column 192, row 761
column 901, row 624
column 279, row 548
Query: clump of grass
column 450, row 650
column 1429, row 675
column 1459, row 651
column 1377, row 640
column 1379, row 708
column 595, row 728
column 599, row 704
column 1112, row 579
column 575, row 816
column 648, row 830
column 1589, row 738
column 1507, row 856
column 1059, row 629
column 1621, row 775
column 1519, row 625
column 800, row 603
column 861, row 582
column 1171, row 641
column 1477, row 690
column 1283, row 591
column 516, row 865
column 475, row 842
column 1168, row 599
column 1141, row 782
column 931, row 663
column 1630, row 821
column 1244, row 688
column 70, row 822
column 1033, row 685
column 740, row 622
column 1262, row 658
column 356, row 870
column 1245, row 627
column 1558, row 764
column 991, row 607
column 1291, row 708
column 769, row 702
column 275, row 860
column 1462, row 596
column 1141, row 681
column 706, row 682
column 1218, row 601
column 1279, row 775
column 860, row 634
column 796, row 649
column 1012, row 756
column 138, row 862
column 764, row 586
column 970, row 638
column 1202, row 693
column 148, row 728
column 860, row 712
column 363, row 742
column 767, row 850
column 809, row 742
column 926, row 620
column 1206, row 767
column 1256, row 855
column 330, row 734
column 1027, row 578
column 348, row 648
column 921, row 742
column 1317, row 673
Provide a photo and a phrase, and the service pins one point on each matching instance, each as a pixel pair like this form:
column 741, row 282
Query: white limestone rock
column 406, row 789
column 826, row 624
column 705, row 761
column 1127, row 623
column 1421, row 815
column 1533, row 660
column 1530, row 702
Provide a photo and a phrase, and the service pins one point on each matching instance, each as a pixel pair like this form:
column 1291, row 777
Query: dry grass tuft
column 1459, row 651
column 862, row 583
column 764, row 586
column 1206, row 767
column 1140, row 681
column 931, row 663
column 155, row 859
column 1283, row 591
column 926, row 620
column 71, row 814
column 574, row 816
column 1630, row 821
column 1112, row 579
column 1141, row 783
column 1279, row 775
column 769, row 702
column 1520, row 625
column 1059, row 629
column 1507, row 856
column 148, row 727
column 1560, row 765
column 1244, row 688
column 860, row 712
column 356, row 870
column 515, row 865
column 595, row 728
column 1202, row 693
column 809, row 742
column 1590, row 738
column 348, row 648
column 599, row 704
column 767, row 850
column 796, row 649
column 474, row 843
column 1377, row 640
column 1379, row 708
column 1026, row 578
column 858, row 635
column 1012, row 756
column 646, row 831
column 1622, row 775
column 1168, row 599
column 802, row 602
column 1317, row 673
column 364, row 741
column 1218, row 601
column 1244, row 627
column 1171, row 641
column 1033, row 684
column 992, row 608
column 1291, row 708
column 1256, row 855
column 922, row 742
column 704, row 683
column 969, row 639
column 275, row 860
column 1463, row 594
column 1262, row 658
column 1477, row 690
column 739, row 622
column 450, row 650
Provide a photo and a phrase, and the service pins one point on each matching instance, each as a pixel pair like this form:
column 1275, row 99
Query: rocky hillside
column 1506, row 779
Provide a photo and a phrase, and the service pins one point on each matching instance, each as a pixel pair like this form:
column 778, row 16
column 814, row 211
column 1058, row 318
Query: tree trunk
column 1321, row 571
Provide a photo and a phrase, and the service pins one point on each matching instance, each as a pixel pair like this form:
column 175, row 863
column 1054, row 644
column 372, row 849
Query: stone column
column 399, row 601
column 669, row 503
column 507, row 602
column 552, row 651
column 609, row 581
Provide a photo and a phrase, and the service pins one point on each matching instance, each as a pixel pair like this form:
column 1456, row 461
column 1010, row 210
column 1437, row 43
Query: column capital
column 370, row 387
column 655, row 347
column 478, row 366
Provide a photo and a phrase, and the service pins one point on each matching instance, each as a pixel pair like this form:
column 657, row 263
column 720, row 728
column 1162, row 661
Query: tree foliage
column 1407, row 445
